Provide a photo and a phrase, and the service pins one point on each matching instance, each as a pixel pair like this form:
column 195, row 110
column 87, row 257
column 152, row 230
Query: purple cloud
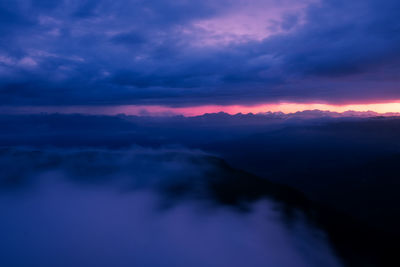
column 208, row 52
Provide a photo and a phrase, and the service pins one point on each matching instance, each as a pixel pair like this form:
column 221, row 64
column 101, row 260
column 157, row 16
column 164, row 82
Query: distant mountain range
column 316, row 113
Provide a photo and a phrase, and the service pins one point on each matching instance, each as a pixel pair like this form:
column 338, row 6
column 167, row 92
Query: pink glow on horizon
column 281, row 107
column 157, row 110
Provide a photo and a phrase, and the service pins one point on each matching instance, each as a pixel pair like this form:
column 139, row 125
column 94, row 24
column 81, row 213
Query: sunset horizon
column 212, row 133
column 391, row 108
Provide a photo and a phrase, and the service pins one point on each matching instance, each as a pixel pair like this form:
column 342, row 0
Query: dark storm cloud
column 185, row 52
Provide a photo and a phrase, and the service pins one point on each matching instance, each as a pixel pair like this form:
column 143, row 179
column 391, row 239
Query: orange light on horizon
column 281, row 107
column 393, row 107
column 286, row 108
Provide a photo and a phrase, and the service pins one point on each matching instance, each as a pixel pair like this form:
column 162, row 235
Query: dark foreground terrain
column 129, row 190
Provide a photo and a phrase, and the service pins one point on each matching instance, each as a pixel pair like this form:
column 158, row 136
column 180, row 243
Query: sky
column 198, row 54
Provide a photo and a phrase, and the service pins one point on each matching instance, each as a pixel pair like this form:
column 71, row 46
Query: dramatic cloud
column 198, row 52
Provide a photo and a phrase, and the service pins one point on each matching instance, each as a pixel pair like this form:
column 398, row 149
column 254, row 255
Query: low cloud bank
column 143, row 207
